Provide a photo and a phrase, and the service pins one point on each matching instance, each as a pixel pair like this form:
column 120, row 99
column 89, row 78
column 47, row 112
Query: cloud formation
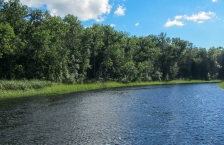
column 83, row 9
column 120, row 11
column 214, row 1
column 200, row 18
column 112, row 25
column 137, row 24
column 170, row 23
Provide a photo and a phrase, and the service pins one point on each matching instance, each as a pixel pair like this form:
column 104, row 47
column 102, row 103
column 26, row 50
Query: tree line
column 37, row 45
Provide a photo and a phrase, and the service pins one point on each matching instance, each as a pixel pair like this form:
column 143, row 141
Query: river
column 163, row 114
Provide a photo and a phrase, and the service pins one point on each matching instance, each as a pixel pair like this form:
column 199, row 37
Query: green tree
column 7, row 37
column 12, row 17
column 145, row 55
column 214, row 66
column 95, row 36
column 129, row 71
column 221, row 62
column 113, row 52
column 200, row 67
column 73, row 42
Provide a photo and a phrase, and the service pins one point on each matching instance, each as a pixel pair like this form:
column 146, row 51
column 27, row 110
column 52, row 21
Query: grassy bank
column 29, row 88
column 221, row 85
column 16, row 85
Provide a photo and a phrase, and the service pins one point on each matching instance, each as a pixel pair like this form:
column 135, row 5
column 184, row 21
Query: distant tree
column 214, row 66
column 7, row 37
column 73, row 44
column 37, row 45
column 145, row 55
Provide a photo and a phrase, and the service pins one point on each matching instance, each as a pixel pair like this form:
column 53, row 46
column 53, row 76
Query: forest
column 37, row 45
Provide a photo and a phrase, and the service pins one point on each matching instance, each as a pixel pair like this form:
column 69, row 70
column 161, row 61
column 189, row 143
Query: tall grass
column 12, row 89
column 14, row 85
column 56, row 89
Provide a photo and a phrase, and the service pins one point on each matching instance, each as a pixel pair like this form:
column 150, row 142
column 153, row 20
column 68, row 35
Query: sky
column 198, row 21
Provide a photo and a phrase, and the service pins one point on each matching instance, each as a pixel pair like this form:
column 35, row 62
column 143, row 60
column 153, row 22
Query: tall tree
column 214, row 66
column 13, row 15
column 73, row 43
column 145, row 55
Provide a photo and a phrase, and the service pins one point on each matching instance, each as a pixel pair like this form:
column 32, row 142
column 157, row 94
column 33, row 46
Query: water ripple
column 169, row 114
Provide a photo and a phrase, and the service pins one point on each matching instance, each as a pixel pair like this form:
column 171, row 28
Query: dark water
column 169, row 114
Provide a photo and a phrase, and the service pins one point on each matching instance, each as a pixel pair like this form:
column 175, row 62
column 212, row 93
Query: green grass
column 192, row 81
column 57, row 89
column 48, row 88
column 14, row 85
column 221, row 85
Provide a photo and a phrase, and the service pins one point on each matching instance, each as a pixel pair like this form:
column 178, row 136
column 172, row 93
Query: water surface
column 165, row 114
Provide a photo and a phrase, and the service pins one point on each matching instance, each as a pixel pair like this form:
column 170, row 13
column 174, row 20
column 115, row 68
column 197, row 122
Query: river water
column 164, row 114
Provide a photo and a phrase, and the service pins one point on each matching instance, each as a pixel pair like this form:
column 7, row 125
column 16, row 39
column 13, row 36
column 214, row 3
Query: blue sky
column 200, row 22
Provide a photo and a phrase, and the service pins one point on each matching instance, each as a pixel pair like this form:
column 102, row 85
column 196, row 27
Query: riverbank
column 221, row 85
column 56, row 89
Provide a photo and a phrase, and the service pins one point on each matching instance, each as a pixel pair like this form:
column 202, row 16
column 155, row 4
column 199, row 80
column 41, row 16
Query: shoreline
column 221, row 85
column 60, row 89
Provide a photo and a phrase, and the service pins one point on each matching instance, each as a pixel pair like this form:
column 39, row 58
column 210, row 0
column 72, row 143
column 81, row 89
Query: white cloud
column 120, row 11
column 170, row 23
column 178, row 17
column 137, row 24
column 112, row 25
column 201, row 16
column 214, row 1
column 200, row 22
column 83, row 9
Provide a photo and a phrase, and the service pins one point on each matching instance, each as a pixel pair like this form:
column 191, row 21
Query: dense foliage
column 37, row 45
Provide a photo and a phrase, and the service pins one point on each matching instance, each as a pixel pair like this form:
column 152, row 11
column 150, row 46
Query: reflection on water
column 169, row 114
